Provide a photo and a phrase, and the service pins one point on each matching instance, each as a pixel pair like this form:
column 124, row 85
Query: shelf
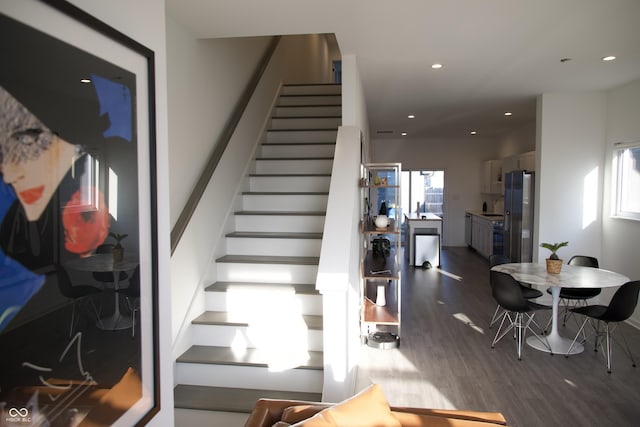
column 372, row 229
column 389, row 280
column 379, row 186
column 387, row 315
column 391, row 264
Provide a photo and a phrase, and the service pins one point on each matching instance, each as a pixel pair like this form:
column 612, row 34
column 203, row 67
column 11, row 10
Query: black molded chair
column 570, row 297
column 621, row 307
column 132, row 297
column 107, row 276
column 527, row 291
column 78, row 293
column 520, row 311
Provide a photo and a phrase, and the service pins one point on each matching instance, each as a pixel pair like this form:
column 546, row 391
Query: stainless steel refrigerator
column 518, row 215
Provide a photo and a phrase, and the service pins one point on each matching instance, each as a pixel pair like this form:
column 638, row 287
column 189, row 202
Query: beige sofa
column 368, row 408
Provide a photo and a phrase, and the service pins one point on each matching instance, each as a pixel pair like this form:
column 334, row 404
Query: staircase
column 261, row 335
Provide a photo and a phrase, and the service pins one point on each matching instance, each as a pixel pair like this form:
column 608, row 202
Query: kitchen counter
column 493, row 216
column 422, row 224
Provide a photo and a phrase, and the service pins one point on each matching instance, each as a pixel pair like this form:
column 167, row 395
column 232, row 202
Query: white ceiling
column 498, row 55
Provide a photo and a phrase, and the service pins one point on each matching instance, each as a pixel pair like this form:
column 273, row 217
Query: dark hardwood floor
column 445, row 358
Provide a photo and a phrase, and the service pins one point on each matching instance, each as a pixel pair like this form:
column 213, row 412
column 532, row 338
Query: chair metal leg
column 576, row 337
column 498, row 335
column 495, row 317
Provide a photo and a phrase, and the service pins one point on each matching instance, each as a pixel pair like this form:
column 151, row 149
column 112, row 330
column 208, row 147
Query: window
column 423, row 191
column 626, row 166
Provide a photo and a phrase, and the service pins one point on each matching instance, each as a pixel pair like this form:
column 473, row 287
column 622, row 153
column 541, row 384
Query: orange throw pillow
column 369, row 408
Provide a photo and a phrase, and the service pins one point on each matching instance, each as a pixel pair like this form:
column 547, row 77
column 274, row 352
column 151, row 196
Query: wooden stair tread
column 306, row 117
column 231, row 319
column 333, row 128
column 285, row 193
column 274, row 235
column 289, row 175
column 227, row 399
column 249, row 357
column 297, row 159
column 268, row 259
column 293, row 213
column 299, row 288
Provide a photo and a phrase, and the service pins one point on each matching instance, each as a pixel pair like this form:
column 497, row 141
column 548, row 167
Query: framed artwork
column 78, row 232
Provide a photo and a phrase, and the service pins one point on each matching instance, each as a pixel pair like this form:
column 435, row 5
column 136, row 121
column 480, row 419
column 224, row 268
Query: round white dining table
column 569, row 277
column 105, row 263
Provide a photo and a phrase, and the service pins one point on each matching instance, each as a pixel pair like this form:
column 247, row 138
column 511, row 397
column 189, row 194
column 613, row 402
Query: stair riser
column 306, row 123
column 276, row 223
column 270, row 273
column 324, row 89
column 294, row 166
column 283, row 136
column 310, row 100
column 226, row 336
column 309, row 111
column 308, row 303
column 291, row 183
column 281, row 202
column 294, row 150
column 305, row 380
column 273, row 245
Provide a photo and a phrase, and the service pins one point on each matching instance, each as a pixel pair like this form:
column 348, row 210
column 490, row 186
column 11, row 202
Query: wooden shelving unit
column 381, row 269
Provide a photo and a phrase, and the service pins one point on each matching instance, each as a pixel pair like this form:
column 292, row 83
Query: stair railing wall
column 221, row 145
column 338, row 275
column 191, row 260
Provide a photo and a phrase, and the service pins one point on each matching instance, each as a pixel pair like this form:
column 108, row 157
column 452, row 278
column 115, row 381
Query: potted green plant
column 118, row 250
column 554, row 263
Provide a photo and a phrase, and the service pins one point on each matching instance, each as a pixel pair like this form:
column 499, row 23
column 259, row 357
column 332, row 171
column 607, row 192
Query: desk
column 104, row 263
column 570, row 277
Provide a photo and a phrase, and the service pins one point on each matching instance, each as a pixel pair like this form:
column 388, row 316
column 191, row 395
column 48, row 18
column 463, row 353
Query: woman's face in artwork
column 30, row 156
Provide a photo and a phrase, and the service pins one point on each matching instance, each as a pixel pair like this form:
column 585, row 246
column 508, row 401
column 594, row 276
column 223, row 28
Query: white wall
column 152, row 35
column 621, row 237
column 354, row 104
column 518, row 141
column 205, row 80
column 463, row 162
column 571, row 131
column 316, row 67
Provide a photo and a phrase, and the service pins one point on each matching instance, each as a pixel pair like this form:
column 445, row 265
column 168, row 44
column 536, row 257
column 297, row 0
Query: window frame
column 618, row 175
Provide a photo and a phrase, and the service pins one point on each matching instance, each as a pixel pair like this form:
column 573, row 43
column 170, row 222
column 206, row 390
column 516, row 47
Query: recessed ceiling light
column 411, row 116
column 508, row 113
column 609, row 58
column 403, row 134
column 436, row 66
column 473, row 132
column 85, row 80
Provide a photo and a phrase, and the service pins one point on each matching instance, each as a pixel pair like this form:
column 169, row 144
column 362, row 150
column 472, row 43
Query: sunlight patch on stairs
column 276, row 326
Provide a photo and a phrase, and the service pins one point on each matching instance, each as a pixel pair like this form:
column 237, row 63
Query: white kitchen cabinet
column 482, row 235
column 493, row 177
column 525, row 161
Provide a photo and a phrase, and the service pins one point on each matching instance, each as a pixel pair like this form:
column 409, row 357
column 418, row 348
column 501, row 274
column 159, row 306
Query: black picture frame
column 74, row 34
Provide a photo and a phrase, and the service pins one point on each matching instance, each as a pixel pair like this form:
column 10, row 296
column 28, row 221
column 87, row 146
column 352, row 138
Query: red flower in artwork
column 86, row 226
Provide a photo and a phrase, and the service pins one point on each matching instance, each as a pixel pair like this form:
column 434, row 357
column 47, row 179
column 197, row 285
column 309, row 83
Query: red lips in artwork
column 86, row 226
